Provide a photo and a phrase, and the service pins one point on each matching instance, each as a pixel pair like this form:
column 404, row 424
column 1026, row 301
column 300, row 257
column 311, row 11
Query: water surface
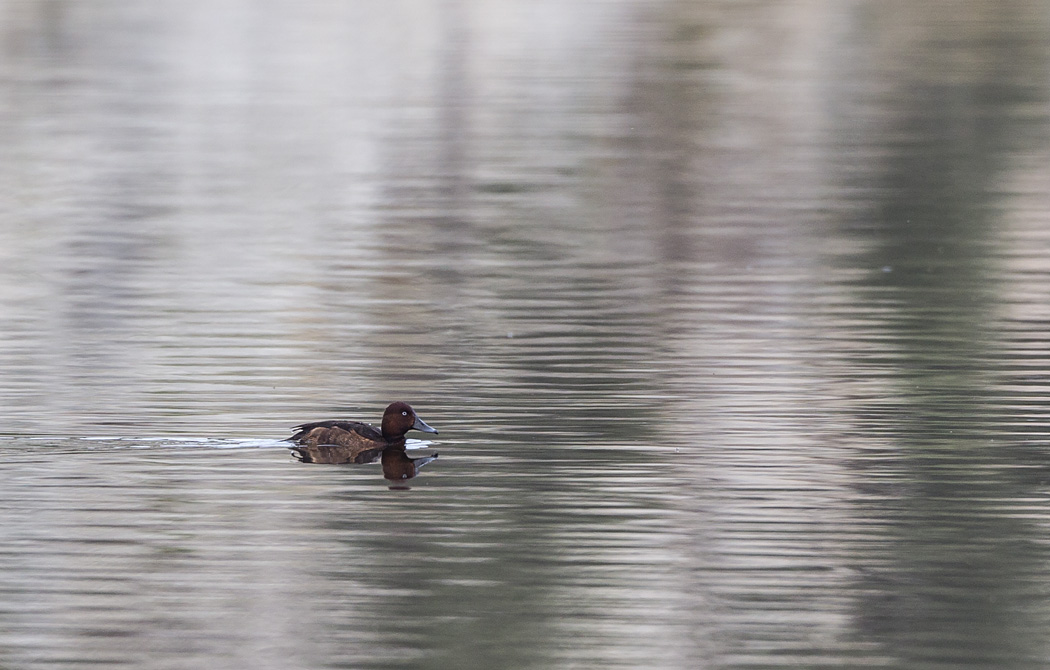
column 733, row 319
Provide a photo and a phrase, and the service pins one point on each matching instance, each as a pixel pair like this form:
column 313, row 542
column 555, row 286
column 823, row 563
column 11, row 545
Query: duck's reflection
column 336, row 454
column 398, row 467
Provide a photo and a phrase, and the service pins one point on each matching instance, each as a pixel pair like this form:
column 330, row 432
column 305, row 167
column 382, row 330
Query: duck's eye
column 404, row 413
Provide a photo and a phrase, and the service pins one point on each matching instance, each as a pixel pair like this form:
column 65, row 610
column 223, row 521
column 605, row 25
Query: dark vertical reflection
column 943, row 133
column 454, row 103
column 670, row 104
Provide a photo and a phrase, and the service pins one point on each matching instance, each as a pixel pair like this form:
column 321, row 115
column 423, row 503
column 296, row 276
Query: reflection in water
column 398, row 466
column 740, row 312
column 335, row 454
column 933, row 220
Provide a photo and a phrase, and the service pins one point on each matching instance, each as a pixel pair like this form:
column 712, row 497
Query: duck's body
column 354, row 441
column 343, row 433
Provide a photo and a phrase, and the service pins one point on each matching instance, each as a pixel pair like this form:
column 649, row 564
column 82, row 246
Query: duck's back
column 345, row 433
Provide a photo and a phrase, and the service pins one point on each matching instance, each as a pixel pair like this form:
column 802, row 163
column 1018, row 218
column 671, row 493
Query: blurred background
column 733, row 317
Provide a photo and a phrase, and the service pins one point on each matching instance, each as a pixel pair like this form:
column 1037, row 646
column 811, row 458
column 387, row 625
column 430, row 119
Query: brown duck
column 353, row 441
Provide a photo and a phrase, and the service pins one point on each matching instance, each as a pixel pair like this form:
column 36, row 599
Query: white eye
column 404, row 413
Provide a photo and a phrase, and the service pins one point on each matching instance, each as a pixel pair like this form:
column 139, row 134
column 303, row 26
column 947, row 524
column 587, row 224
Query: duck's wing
column 367, row 431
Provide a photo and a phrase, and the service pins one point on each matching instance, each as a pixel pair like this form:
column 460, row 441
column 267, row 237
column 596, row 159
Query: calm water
column 734, row 319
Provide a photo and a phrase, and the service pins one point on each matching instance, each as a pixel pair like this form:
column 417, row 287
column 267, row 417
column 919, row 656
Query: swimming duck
column 353, row 441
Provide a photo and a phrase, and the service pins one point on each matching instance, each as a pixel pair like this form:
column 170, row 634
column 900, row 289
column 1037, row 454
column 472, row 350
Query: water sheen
column 733, row 319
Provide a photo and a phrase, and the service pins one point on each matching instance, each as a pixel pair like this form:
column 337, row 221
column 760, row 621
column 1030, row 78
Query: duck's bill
column 422, row 425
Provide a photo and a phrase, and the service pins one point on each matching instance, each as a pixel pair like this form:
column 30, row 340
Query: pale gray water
column 733, row 318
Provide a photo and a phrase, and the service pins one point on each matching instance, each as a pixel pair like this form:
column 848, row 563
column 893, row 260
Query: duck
column 338, row 441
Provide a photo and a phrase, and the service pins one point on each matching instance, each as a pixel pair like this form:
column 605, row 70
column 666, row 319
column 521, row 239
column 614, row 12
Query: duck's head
column 399, row 418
